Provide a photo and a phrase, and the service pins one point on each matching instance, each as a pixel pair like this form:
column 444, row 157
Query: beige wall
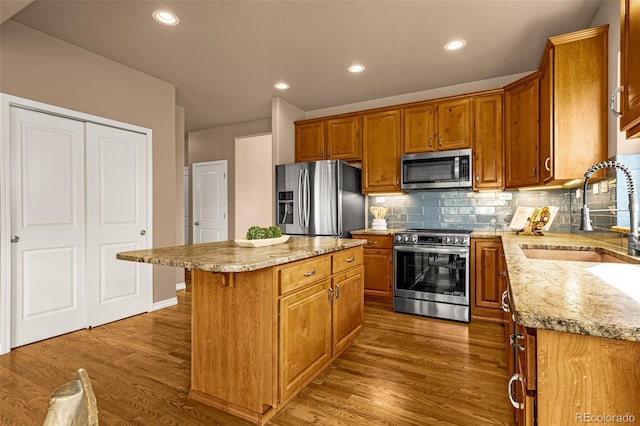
column 39, row 67
column 219, row 144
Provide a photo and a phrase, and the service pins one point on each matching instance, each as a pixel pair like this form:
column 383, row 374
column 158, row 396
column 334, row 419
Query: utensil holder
column 379, row 224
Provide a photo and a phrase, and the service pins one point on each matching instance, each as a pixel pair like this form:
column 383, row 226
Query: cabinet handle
column 516, row 404
column 612, row 103
column 330, row 298
column 430, row 142
column 533, row 172
column 351, row 259
column 440, row 141
column 501, row 254
column 328, row 153
column 477, row 178
column 338, row 292
column 390, row 259
column 504, row 303
column 547, row 164
column 321, row 153
column 310, row 273
column 513, row 341
column 372, row 243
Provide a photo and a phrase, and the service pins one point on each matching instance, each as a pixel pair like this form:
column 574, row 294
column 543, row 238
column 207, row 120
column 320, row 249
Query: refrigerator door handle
column 300, row 197
column 307, row 204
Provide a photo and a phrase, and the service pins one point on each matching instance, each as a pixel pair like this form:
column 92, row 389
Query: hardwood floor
column 401, row 370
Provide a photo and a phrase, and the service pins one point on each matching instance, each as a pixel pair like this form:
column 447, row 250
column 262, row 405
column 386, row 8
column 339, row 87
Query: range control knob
column 405, row 238
column 460, row 240
column 398, row 238
column 414, row 238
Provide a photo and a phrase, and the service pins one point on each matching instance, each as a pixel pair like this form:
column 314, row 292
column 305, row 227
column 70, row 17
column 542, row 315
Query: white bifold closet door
column 78, row 196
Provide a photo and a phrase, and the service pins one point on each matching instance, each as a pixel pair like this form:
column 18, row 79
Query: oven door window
column 432, row 274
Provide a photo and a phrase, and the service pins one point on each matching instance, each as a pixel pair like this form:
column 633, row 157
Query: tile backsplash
column 459, row 209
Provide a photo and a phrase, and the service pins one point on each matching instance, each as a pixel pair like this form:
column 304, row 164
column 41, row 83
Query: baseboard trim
column 164, row 304
column 181, row 286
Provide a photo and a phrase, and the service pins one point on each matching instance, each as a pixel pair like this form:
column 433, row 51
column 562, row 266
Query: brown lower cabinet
column 259, row 337
column 378, row 264
column 560, row 378
column 488, row 278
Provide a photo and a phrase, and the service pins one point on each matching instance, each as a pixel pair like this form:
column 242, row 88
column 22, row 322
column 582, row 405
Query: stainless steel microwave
column 437, row 170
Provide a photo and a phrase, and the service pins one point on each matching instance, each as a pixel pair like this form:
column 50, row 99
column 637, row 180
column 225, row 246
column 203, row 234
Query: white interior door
column 210, row 221
column 48, row 225
column 187, row 190
column 116, row 179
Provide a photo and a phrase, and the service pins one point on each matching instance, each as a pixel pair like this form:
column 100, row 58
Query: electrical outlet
column 505, row 196
column 595, row 188
column 380, row 199
column 578, row 193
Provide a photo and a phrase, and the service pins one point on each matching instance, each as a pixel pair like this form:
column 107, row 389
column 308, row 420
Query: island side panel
column 232, row 341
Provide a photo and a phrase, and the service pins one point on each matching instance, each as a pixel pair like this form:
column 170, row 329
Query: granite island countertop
column 590, row 298
column 370, row 231
column 227, row 256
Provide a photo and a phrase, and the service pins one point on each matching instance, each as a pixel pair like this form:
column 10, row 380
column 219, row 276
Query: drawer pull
column 504, row 303
column 372, row 243
column 310, row 273
column 513, row 341
column 337, row 291
column 516, row 404
column 351, row 259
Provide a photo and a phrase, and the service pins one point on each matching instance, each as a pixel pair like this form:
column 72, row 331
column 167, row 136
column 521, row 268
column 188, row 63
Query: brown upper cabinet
column 437, row 126
column 381, row 150
column 630, row 67
column 521, row 132
column 337, row 138
column 573, row 104
column 488, row 142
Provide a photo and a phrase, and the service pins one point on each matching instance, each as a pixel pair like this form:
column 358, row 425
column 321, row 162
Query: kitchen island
column 266, row 320
column 574, row 329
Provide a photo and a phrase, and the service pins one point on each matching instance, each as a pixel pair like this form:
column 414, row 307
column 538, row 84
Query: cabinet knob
column 503, row 273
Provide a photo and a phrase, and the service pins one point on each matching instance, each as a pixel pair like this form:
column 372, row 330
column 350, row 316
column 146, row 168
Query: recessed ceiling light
column 455, row 44
column 165, row 17
column 356, row 68
column 281, row 85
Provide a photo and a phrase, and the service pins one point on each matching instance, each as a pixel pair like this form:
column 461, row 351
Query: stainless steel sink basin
column 583, row 254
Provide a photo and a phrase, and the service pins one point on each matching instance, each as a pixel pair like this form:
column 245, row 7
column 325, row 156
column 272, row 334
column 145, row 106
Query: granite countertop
column 591, row 298
column 370, row 231
column 226, row 256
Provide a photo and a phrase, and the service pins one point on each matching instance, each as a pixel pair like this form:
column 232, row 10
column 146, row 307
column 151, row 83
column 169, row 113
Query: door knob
column 197, row 224
column 15, row 239
column 143, row 232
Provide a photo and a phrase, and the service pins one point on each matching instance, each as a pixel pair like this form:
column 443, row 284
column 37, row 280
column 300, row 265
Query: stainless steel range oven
column 431, row 273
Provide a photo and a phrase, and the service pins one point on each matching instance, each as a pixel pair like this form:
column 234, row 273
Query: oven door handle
column 439, row 250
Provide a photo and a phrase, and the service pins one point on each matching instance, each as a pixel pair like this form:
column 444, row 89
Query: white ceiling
column 225, row 56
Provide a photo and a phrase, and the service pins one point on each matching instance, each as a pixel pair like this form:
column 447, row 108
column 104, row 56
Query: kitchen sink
column 582, row 254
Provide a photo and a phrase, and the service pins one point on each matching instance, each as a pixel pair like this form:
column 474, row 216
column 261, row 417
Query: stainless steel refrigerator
column 320, row 198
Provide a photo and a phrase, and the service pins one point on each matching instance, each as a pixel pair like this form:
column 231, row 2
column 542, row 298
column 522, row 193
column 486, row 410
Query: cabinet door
column 454, row 125
column 488, row 142
column 310, row 138
column 378, row 275
column 344, row 140
column 630, row 67
column 305, row 336
column 546, row 117
column 420, row 128
column 381, row 151
column 487, row 269
column 348, row 308
column 521, row 131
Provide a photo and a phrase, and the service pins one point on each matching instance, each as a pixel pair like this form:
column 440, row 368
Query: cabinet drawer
column 346, row 259
column 304, row 272
column 375, row 241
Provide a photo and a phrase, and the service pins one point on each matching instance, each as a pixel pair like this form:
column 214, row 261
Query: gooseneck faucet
column 585, row 221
